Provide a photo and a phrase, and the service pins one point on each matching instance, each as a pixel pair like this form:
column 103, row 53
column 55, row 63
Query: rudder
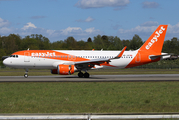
column 156, row 40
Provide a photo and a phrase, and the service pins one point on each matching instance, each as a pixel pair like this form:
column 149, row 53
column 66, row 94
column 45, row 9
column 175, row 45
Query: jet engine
column 64, row 70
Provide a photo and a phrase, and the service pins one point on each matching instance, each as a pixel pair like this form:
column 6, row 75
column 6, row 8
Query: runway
column 94, row 78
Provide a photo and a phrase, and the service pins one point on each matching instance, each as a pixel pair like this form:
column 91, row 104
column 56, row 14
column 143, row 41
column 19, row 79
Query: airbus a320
column 66, row 62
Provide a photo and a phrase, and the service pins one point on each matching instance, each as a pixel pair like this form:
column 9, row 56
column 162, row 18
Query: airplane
column 66, row 62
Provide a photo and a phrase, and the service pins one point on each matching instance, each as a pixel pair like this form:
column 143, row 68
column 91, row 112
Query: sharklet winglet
column 121, row 53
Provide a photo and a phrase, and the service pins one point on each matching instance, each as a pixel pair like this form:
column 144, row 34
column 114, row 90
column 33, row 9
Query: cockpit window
column 14, row 56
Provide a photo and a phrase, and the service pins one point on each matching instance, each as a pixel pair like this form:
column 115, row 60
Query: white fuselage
column 41, row 61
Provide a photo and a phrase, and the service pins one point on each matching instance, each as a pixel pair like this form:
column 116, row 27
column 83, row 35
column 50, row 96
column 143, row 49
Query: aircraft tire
column 26, row 75
column 80, row 74
column 86, row 75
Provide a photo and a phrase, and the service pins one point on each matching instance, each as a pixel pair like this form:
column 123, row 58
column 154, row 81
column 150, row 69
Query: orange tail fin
column 155, row 41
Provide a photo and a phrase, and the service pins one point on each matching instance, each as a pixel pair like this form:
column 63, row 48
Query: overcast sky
column 59, row 19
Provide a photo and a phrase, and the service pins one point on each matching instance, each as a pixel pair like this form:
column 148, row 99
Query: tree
column 166, row 46
column 136, row 42
column 44, row 44
column 126, row 43
column 71, row 43
column 9, row 44
column 105, row 41
column 118, row 43
column 30, row 43
column 174, row 44
column 98, row 43
column 58, row 45
column 115, row 43
column 17, row 40
column 81, row 45
column 89, row 40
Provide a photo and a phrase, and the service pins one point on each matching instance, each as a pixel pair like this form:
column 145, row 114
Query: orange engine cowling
column 64, row 70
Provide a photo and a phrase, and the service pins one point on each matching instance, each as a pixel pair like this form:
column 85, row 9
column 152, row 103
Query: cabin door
column 26, row 57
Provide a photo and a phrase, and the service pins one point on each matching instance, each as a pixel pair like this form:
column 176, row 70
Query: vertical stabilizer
column 155, row 41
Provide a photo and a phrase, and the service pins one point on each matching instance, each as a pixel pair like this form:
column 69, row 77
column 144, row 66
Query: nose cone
column 5, row 62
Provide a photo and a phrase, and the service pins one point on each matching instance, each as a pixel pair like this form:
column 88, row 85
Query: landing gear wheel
column 80, row 74
column 26, row 75
column 86, row 75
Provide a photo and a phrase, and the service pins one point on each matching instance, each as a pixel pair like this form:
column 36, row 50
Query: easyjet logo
column 155, row 38
column 43, row 54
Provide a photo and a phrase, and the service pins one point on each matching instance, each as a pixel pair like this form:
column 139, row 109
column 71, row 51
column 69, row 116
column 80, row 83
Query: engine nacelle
column 54, row 71
column 64, row 70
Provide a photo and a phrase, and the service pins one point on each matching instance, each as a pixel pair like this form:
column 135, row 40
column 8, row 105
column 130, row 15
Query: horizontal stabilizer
column 152, row 57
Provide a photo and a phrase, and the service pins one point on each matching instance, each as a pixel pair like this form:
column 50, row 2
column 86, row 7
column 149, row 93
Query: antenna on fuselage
column 28, row 49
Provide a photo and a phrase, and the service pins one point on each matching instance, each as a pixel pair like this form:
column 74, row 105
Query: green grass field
column 87, row 97
column 62, row 97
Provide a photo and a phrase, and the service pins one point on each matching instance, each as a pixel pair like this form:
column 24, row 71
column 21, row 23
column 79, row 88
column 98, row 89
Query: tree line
column 12, row 43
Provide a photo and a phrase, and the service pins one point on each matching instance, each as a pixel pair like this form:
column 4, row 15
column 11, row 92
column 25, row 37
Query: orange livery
column 66, row 62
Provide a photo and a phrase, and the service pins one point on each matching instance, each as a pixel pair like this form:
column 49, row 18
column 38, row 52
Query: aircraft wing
column 92, row 62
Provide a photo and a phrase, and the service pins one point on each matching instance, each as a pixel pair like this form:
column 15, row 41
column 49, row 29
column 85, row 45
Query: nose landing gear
column 26, row 73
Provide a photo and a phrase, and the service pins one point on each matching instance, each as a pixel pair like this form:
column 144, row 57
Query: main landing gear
column 26, row 73
column 85, row 75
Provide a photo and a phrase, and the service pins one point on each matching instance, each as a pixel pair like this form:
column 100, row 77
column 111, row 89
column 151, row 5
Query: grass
column 63, row 97
column 93, row 97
